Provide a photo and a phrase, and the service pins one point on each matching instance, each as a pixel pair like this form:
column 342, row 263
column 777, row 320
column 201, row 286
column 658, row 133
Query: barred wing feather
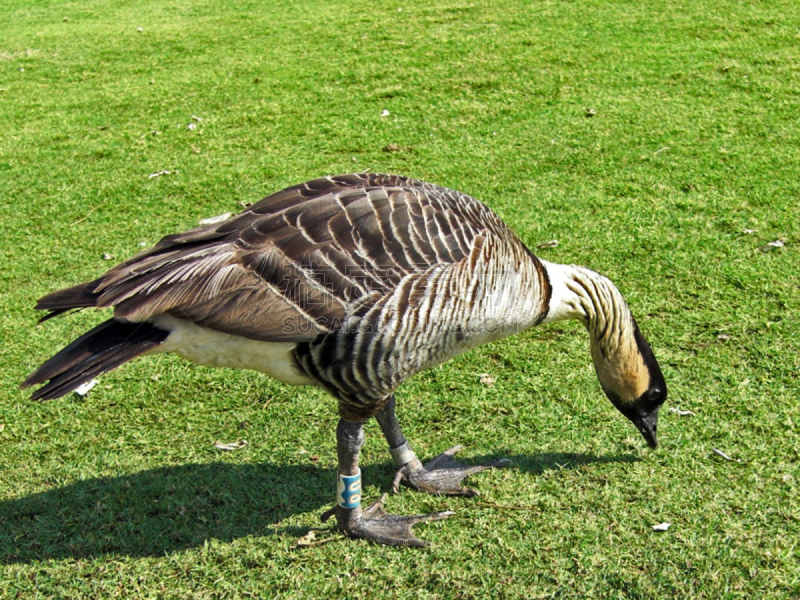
column 309, row 256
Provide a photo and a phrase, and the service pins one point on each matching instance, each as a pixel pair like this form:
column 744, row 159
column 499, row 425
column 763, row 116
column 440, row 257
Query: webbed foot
column 375, row 524
column 442, row 475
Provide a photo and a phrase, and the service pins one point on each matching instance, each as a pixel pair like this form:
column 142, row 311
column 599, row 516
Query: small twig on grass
column 87, row 214
column 493, row 505
column 725, row 456
column 300, row 546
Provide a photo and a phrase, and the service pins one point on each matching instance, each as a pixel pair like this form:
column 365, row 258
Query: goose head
column 631, row 378
column 626, row 367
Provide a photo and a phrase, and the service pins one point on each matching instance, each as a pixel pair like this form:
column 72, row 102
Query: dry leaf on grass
column 310, row 540
column 487, row 379
column 770, row 246
column 230, row 447
column 307, row 539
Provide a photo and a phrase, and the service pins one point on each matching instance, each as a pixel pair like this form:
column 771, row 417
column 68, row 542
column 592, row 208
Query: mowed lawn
column 657, row 142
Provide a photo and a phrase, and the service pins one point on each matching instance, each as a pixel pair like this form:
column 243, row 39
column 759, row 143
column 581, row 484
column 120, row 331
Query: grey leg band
column 402, row 454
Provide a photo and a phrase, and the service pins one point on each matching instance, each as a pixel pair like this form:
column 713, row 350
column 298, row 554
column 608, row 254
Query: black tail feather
column 101, row 349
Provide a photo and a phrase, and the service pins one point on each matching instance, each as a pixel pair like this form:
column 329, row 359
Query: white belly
column 216, row 349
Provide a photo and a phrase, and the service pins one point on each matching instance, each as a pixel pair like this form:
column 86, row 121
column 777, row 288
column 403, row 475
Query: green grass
column 694, row 139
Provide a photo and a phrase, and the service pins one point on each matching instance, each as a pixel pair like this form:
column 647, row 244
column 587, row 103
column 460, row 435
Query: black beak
column 647, row 426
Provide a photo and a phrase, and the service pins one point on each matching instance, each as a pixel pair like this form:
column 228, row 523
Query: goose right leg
column 372, row 523
column 442, row 475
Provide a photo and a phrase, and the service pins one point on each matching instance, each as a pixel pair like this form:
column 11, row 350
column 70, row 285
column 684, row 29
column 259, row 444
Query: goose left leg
column 372, row 523
column 442, row 475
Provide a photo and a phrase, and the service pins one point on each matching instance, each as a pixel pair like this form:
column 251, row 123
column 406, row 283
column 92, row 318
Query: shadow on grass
column 169, row 509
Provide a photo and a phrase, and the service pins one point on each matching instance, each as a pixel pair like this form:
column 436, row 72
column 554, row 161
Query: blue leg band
column 348, row 490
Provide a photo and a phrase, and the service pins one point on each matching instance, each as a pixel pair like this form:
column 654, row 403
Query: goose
column 353, row 283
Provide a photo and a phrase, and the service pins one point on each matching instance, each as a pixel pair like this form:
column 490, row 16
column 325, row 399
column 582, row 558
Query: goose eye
column 655, row 395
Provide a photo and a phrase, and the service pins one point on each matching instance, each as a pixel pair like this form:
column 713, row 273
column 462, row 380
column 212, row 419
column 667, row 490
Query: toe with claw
column 442, row 475
column 375, row 524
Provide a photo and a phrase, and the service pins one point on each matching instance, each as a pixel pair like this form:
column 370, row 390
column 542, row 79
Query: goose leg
column 442, row 475
column 372, row 523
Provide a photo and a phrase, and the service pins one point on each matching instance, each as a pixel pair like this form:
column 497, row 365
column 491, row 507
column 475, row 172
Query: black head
column 633, row 381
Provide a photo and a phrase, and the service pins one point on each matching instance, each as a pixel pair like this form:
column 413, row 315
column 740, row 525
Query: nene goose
column 353, row 283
